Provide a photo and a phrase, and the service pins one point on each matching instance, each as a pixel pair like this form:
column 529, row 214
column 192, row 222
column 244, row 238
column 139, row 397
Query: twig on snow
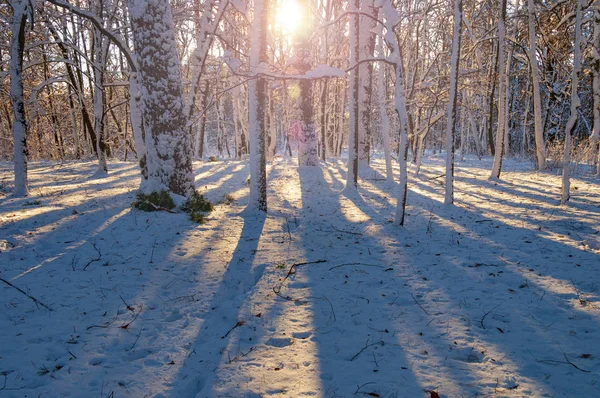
column 298, row 264
column 555, row 362
column 435, row 178
column 486, row 314
column 95, row 259
column 381, row 342
column 346, row 232
column 361, row 386
column 36, row 301
column 237, row 325
column 419, row 304
column 366, row 265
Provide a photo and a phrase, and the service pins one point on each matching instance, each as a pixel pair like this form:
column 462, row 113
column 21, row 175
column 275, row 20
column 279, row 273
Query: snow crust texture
column 324, row 297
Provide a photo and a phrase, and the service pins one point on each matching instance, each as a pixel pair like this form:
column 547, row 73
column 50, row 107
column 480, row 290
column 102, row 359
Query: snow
column 325, row 71
column 497, row 295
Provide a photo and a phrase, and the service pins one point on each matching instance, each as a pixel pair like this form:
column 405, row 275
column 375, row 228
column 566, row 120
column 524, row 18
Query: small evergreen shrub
column 197, row 217
column 154, row 201
column 197, row 203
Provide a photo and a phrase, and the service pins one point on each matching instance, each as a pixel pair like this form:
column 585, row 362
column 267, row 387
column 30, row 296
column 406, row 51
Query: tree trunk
column 352, row 175
column 540, row 149
column 595, row 137
column 452, row 96
column 168, row 148
column 497, row 166
column 137, row 125
column 575, row 104
column 257, row 104
column 21, row 8
column 366, row 44
column 100, row 44
column 308, row 146
column 385, row 120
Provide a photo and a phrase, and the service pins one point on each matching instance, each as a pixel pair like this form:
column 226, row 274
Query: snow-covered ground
column 498, row 295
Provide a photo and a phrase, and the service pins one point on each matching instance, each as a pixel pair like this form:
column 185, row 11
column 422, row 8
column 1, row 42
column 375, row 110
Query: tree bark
column 352, row 175
column 497, row 166
column 257, row 104
column 167, row 140
column 21, row 9
column 575, row 104
column 452, row 96
column 540, row 149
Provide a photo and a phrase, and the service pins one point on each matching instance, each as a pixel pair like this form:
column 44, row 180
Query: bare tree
column 308, row 150
column 502, row 62
column 257, row 103
column 167, row 139
column 22, row 9
column 575, row 104
column 540, row 148
column 452, row 96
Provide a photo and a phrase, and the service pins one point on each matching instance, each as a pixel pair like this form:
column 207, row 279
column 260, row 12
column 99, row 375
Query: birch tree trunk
column 452, row 96
column 21, row 9
column 352, row 174
column 575, row 104
column 257, row 104
column 308, row 154
column 540, row 149
column 366, row 47
column 385, row 120
column 391, row 19
column 497, row 166
column 168, row 149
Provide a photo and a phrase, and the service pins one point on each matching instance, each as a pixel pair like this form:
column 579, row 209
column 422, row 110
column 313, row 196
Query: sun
column 288, row 16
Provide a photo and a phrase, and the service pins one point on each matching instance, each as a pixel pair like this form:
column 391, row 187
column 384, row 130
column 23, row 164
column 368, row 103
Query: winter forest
column 293, row 198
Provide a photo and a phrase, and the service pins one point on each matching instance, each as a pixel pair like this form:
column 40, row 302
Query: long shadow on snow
column 197, row 376
column 516, row 270
column 364, row 354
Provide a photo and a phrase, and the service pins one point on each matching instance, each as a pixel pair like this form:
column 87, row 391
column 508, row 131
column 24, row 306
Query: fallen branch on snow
column 36, row 301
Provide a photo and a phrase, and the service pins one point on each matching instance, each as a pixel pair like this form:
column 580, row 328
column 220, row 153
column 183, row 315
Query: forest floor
column 498, row 295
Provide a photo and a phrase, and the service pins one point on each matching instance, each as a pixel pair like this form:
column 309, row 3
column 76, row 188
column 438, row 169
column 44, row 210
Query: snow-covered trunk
column 99, row 65
column 241, row 121
column 595, row 137
column 452, row 96
column 17, row 45
column 272, row 126
column 168, row 149
column 76, row 150
column 499, row 152
column 352, row 174
column 257, row 103
column 575, row 104
column 524, row 144
column 366, row 47
column 137, row 126
column 200, row 129
column 507, row 98
column 324, row 121
column 308, row 154
column 400, row 101
column 391, row 19
column 385, row 120
column 540, row 148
